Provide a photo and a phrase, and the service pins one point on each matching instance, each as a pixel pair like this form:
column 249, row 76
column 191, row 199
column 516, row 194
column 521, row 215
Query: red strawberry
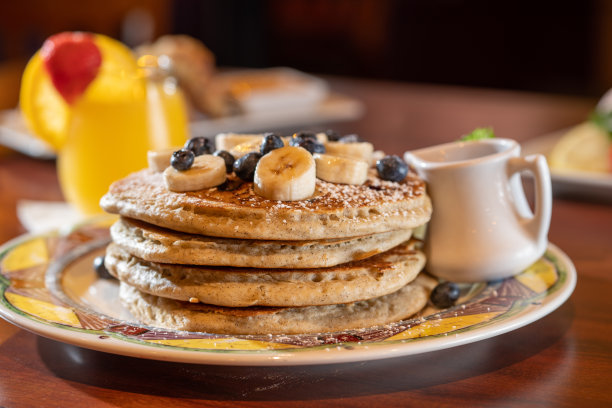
column 72, row 59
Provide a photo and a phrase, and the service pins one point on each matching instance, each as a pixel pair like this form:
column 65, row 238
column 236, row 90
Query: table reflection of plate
column 48, row 286
column 576, row 183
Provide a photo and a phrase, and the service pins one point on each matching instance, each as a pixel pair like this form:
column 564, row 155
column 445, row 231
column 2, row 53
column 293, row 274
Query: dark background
column 545, row 46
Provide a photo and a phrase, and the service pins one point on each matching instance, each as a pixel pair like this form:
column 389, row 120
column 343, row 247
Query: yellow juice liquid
column 109, row 138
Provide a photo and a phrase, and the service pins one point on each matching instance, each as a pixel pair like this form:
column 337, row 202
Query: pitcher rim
column 415, row 160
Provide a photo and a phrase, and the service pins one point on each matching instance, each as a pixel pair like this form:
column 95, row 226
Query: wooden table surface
column 564, row 359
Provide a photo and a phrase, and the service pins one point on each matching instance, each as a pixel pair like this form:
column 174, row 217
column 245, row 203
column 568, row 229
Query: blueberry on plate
column 391, row 168
column 100, row 268
column 445, row 295
column 182, row 159
column 199, row 145
column 228, row 158
column 270, row 142
column 244, row 167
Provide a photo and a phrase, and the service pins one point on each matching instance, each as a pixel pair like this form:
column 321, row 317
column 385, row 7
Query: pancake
column 172, row 314
column 152, row 243
column 235, row 211
column 239, row 287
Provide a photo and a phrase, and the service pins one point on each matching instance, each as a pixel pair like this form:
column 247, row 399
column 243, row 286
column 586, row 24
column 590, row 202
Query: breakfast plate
column 49, row 287
column 570, row 182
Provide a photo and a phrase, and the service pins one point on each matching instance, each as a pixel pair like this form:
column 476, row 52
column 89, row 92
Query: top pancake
column 334, row 211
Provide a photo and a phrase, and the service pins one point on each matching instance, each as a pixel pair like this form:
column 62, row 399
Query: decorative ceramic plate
column 576, row 183
column 48, row 286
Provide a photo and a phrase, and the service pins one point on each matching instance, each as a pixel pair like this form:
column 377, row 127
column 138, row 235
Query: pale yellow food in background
column 585, row 147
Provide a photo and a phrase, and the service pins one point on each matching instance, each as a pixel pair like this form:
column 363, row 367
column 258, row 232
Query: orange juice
column 109, row 135
column 101, row 109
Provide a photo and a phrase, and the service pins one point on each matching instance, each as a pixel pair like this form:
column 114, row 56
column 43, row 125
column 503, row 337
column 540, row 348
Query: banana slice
column 227, row 141
column 160, row 159
column 343, row 170
column 321, row 137
column 286, row 174
column 247, row 147
column 207, row 171
column 360, row 150
column 376, row 156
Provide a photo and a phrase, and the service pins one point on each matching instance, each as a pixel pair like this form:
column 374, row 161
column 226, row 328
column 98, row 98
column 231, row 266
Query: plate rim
column 319, row 355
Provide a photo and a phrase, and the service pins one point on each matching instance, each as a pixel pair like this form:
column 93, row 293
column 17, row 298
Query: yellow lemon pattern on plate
column 484, row 305
column 26, row 255
column 44, row 310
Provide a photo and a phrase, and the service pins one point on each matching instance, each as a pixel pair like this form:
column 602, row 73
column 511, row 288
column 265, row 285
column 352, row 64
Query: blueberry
column 391, row 168
column 270, row 142
column 199, row 145
column 445, row 295
column 309, row 144
column 305, row 134
column 352, row 138
column 332, row 135
column 244, row 167
column 229, row 159
column 100, row 269
column 182, row 159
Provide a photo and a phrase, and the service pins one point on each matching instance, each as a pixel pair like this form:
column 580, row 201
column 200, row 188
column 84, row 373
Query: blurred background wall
column 537, row 45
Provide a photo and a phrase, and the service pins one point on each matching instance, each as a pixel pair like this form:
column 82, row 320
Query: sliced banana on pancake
column 227, row 141
column 207, row 171
column 344, row 170
column 286, row 174
column 159, row 160
column 247, row 147
column 359, row 150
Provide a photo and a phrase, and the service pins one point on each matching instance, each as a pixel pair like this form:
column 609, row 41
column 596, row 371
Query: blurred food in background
column 587, row 147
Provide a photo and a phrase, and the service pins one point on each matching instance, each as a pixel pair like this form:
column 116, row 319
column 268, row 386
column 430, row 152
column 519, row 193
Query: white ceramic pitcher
column 482, row 227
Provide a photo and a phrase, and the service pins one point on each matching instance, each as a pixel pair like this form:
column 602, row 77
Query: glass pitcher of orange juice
column 109, row 133
column 101, row 109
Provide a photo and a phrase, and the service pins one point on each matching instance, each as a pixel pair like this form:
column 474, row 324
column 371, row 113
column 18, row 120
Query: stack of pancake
column 225, row 260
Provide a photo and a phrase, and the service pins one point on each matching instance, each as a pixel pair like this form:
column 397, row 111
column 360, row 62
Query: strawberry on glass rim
column 69, row 67
column 72, row 60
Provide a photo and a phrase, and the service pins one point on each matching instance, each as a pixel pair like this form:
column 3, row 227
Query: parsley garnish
column 479, row 133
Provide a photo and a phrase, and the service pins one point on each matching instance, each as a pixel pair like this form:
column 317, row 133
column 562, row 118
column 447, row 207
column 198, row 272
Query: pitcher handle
column 539, row 224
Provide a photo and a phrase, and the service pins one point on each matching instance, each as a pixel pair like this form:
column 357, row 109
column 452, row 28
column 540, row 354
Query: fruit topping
column 332, row 135
column 445, row 295
column 343, row 170
column 352, row 138
column 307, row 141
column 391, row 168
column 228, row 158
column 207, row 171
column 270, row 142
column 355, row 150
column 72, row 60
column 100, row 268
column 286, row 174
column 199, row 145
column 182, row 159
column 244, row 167
column 227, row 141
column 305, row 134
column 160, row 159
column 246, row 147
